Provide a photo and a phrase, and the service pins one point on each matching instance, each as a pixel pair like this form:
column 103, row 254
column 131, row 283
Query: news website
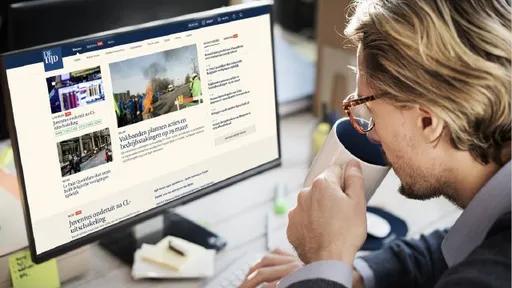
column 110, row 128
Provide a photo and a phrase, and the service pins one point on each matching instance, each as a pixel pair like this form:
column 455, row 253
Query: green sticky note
column 26, row 274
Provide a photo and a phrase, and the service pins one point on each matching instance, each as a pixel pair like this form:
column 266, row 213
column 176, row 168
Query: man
column 140, row 107
column 195, row 88
column 76, row 163
column 433, row 80
column 132, row 109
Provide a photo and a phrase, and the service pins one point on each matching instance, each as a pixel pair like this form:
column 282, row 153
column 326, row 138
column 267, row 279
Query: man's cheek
column 385, row 155
column 388, row 153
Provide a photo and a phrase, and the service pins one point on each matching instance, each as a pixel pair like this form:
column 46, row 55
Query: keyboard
column 234, row 275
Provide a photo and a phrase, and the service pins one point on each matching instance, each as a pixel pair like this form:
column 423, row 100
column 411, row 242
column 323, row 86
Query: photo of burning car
column 152, row 85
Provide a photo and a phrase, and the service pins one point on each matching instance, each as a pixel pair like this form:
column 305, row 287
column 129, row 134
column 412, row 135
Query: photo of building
column 84, row 152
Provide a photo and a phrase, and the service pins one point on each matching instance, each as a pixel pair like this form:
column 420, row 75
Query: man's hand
column 357, row 280
column 328, row 223
column 271, row 268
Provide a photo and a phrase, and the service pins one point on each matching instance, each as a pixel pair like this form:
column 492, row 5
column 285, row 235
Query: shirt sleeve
column 408, row 262
column 335, row 271
column 366, row 272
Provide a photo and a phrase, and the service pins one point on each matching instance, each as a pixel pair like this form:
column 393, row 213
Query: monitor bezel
column 153, row 212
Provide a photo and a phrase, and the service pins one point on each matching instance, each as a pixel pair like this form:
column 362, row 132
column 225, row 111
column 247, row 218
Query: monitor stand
column 123, row 243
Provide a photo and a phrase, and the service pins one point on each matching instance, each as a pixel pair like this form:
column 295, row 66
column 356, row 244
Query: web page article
column 151, row 86
column 124, row 128
column 231, row 109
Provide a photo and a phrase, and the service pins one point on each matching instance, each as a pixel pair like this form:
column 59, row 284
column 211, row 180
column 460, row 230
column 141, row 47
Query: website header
column 52, row 55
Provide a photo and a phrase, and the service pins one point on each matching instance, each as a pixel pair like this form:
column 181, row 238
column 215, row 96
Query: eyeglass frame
column 350, row 103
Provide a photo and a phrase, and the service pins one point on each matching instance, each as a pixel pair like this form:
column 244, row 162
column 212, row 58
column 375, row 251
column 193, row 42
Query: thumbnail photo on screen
column 84, row 152
column 156, row 84
column 75, row 89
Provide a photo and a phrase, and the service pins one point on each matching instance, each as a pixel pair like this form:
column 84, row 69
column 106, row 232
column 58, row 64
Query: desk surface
column 238, row 212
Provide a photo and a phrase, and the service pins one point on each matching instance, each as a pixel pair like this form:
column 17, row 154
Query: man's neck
column 469, row 176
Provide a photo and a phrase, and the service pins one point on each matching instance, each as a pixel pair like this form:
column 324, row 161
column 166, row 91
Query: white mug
column 344, row 143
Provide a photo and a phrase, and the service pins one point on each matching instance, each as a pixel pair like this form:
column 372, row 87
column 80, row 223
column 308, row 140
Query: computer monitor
column 114, row 128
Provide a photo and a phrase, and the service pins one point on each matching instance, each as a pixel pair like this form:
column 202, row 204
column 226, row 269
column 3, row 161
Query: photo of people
column 156, row 84
column 84, row 152
column 75, row 89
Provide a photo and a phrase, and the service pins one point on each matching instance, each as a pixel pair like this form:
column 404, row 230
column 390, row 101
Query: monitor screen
column 113, row 128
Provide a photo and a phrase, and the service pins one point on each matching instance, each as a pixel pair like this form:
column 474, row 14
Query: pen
column 175, row 249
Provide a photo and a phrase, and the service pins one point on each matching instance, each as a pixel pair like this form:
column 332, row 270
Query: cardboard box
column 334, row 79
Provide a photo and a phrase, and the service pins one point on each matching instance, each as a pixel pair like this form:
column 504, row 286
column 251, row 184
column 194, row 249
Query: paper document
column 158, row 261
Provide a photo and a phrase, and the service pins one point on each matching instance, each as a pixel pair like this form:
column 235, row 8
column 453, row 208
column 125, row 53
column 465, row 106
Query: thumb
column 353, row 181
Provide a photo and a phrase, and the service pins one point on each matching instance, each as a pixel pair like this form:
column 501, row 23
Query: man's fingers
column 353, row 181
column 280, row 251
column 269, row 274
column 271, row 260
column 333, row 174
column 271, row 285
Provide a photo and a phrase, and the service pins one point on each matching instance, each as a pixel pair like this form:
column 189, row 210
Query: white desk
column 238, row 212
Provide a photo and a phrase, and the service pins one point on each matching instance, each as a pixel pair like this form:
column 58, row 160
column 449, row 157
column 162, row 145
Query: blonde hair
column 451, row 56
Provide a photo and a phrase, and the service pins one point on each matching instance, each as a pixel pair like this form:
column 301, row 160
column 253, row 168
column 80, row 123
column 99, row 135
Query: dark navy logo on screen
column 52, row 59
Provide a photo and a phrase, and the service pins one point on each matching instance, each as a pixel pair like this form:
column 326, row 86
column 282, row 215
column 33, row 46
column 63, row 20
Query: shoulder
column 488, row 265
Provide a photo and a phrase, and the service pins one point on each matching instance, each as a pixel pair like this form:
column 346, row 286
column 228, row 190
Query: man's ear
column 430, row 124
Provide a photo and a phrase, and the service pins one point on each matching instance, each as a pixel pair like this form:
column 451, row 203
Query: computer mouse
column 377, row 226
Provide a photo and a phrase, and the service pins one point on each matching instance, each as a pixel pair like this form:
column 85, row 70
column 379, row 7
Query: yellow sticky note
column 5, row 156
column 25, row 274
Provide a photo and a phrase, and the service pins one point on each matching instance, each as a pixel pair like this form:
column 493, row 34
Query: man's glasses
column 358, row 113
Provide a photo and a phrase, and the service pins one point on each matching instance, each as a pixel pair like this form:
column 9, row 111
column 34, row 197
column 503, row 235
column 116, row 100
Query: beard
column 416, row 193
column 426, row 193
column 422, row 184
